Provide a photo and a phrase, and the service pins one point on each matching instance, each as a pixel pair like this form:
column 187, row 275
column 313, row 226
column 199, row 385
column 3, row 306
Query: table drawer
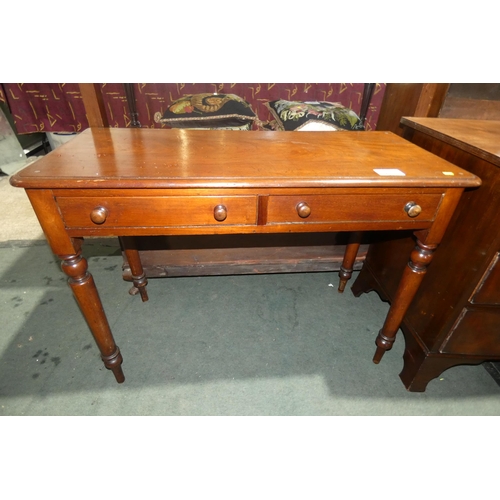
column 347, row 207
column 168, row 211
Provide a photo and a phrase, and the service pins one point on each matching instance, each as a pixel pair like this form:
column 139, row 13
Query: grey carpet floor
column 280, row 344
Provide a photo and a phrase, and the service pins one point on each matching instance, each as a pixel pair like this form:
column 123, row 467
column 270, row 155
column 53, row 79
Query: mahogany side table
column 145, row 182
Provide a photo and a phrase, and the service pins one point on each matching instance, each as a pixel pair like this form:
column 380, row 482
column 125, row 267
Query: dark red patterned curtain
column 46, row 107
column 2, row 94
column 58, row 107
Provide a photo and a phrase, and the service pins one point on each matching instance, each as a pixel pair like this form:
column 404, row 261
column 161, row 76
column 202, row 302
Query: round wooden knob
column 98, row 215
column 220, row 213
column 412, row 209
column 303, row 209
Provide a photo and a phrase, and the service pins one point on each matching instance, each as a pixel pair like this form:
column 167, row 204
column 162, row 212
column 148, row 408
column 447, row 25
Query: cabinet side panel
column 466, row 249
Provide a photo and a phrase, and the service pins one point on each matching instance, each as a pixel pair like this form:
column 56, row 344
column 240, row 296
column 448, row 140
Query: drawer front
column 338, row 208
column 476, row 332
column 488, row 290
column 171, row 211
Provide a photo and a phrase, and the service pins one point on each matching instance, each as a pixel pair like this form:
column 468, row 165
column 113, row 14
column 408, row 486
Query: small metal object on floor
column 493, row 368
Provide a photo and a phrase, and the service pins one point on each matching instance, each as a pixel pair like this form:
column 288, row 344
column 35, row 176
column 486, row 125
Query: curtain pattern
column 58, row 107
column 46, row 107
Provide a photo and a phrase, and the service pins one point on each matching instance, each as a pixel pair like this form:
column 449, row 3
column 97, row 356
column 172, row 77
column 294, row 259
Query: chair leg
column 365, row 102
column 134, row 260
column 350, row 255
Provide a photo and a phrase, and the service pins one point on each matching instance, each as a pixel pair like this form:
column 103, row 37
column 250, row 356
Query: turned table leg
column 134, row 260
column 350, row 255
column 413, row 274
column 84, row 289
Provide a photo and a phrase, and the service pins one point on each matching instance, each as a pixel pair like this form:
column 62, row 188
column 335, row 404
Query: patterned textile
column 58, row 107
column 298, row 115
column 46, row 107
column 208, row 111
column 2, row 94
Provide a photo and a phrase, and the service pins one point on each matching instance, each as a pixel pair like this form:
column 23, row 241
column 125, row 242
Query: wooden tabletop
column 158, row 158
column 478, row 137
